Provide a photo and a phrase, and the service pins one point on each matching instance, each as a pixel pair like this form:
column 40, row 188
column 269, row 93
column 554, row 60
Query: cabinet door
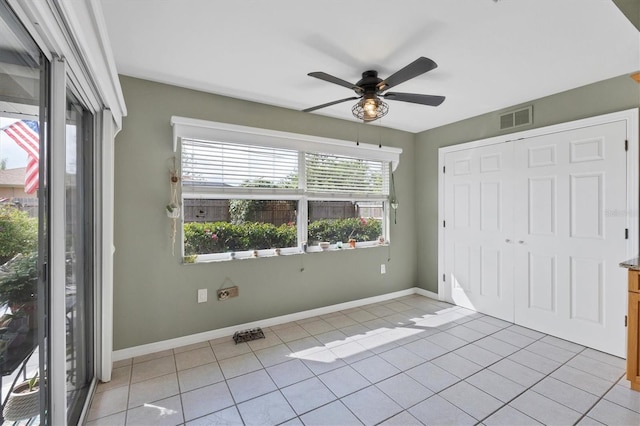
column 633, row 360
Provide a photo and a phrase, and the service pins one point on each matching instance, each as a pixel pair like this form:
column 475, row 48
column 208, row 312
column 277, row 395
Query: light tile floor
column 411, row 360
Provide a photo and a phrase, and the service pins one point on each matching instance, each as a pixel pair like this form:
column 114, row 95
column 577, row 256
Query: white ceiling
column 490, row 54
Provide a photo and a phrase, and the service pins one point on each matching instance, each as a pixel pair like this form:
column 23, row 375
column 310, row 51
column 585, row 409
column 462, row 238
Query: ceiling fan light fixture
column 369, row 90
column 370, row 108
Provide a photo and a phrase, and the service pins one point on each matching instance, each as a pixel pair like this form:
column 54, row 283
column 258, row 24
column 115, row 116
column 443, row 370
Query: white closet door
column 570, row 192
column 478, row 228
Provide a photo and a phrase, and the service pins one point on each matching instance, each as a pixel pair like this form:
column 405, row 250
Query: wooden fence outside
column 331, row 210
column 196, row 210
column 277, row 212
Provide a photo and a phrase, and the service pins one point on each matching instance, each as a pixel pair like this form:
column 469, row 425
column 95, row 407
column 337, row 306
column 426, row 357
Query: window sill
column 269, row 253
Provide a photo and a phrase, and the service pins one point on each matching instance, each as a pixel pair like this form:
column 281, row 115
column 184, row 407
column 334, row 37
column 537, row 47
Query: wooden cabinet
column 633, row 331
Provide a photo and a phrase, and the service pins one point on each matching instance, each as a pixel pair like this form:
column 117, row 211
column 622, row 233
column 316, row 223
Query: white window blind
column 224, row 165
column 329, row 173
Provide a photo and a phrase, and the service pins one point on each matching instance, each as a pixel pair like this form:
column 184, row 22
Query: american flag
column 25, row 134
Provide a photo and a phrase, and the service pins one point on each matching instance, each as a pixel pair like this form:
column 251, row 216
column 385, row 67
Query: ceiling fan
column 371, row 88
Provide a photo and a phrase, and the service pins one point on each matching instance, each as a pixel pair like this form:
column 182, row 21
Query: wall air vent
column 521, row 117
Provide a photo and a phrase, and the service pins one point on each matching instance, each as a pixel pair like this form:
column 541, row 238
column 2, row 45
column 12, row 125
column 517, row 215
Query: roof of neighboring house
column 13, row 177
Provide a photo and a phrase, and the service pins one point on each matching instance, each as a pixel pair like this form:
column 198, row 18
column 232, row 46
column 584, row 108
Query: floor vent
column 248, row 335
column 521, row 117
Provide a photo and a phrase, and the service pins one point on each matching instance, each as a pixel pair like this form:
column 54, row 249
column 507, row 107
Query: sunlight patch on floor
column 376, row 338
column 162, row 411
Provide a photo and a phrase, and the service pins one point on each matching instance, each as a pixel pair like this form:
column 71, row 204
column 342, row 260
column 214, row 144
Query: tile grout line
column 371, row 384
column 543, row 378
column 600, row 399
column 430, row 360
column 546, row 375
column 126, row 409
column 314, row 375
column 464, row 379
column 485, row 368
column 175, row 362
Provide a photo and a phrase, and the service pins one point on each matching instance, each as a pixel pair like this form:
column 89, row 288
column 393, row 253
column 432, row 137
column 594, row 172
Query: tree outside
column 18, row 233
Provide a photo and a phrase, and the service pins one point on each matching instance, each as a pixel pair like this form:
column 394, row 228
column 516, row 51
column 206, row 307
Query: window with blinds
column 223, row 164
column 231, row 165
column 247, row 199
column 328, row 173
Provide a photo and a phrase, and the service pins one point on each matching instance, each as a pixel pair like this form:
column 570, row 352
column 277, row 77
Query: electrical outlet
column 383, row 268
column 227, row 293
column 202, row 295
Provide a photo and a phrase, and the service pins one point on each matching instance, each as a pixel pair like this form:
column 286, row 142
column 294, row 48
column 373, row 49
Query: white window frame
column 188, row 128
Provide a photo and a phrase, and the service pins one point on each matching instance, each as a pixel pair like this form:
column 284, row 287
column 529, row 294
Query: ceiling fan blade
column 414, row 69
column 415, row 98
column 335, row 80
column 330, row 103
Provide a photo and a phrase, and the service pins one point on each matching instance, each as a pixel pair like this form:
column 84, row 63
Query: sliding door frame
column 57, row 313
column 76, row 32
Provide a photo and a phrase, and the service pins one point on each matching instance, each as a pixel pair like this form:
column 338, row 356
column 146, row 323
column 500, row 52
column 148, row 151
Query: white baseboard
column 427, row 293
column 228, row 331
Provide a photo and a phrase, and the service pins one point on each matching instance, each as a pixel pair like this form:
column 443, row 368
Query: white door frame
column 57, row 251
column 630, row 117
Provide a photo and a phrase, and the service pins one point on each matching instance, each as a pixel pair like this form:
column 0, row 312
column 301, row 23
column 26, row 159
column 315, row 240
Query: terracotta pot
column 352, row 243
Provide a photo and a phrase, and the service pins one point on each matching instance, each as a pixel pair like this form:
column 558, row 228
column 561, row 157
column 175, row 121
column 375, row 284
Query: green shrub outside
column 18, row 279
column 18, row 233
column 334, row 230
column 222, row 237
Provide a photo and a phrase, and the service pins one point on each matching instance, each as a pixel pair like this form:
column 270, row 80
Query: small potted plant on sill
column 23, row 401
column 352, row 238
column 190, row 258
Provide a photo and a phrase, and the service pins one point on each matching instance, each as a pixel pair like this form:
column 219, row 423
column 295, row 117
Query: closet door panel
column 478, row 224
column 566, row 260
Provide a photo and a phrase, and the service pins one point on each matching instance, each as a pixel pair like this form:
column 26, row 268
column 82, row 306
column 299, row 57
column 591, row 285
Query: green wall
column 155, row 295
column 600, row 98
column 631, row 9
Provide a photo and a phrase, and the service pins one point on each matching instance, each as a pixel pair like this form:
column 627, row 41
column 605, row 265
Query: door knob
column 520, row 242
column 507, row 240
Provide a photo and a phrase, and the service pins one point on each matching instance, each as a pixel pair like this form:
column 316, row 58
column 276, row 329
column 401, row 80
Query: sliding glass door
column 79, row 246
column 47, row 233
column 24, row 242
